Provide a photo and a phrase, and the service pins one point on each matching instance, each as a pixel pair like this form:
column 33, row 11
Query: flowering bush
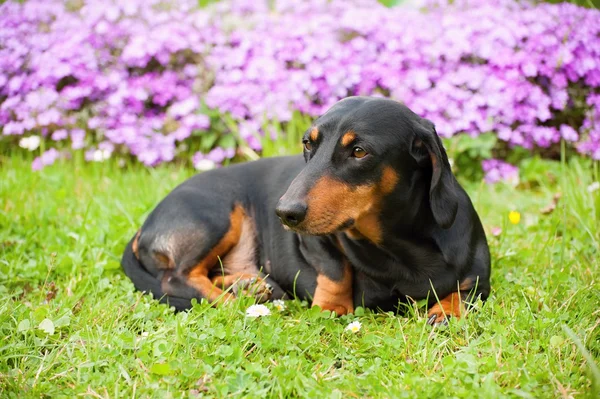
column 497, row 170
column 156, row 78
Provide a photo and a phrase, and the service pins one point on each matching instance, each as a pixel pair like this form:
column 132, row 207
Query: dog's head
column 362, row 155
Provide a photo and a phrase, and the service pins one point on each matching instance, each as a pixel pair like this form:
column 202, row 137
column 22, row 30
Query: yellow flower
column 514, row 217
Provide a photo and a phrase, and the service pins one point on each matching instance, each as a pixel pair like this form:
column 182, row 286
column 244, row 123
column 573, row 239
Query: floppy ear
column 428, row 151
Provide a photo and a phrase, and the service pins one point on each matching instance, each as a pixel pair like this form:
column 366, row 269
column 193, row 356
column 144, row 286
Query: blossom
column 97, row 155
column 201, row 163
column 217, row 155
column 593, row 187
column 257, row 311
column 77, row 138
column 60, row 134
column 568, row 133
column 30, row 143
column 149, row 79
column 497, row 170
column 279, row 304
column 496, row 231
column 514, row 217
column 354, row 326
column 204, row 165
column 47, row 158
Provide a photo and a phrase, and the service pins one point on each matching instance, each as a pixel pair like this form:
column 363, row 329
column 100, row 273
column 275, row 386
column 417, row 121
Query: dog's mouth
column 319, row 228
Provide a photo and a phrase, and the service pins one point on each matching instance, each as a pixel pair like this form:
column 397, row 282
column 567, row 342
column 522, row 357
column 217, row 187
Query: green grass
column 71, row 324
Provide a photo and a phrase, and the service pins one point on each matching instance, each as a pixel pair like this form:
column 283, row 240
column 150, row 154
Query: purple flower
column 496, row 170
column 47, row 158
column 60, row 134
column 77, row 138
column 217, row 155
column 140, row 74
column 568, row 133
column 183, row 108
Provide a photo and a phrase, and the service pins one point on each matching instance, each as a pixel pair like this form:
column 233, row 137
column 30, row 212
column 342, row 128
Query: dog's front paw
column 255, row 287
column 449, row 307
column 436, row 320
column 339, row 309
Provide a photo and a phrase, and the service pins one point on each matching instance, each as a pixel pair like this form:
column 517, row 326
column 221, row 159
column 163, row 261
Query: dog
column 371, row 215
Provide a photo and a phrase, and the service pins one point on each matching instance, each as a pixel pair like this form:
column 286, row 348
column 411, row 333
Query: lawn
column 72, row 325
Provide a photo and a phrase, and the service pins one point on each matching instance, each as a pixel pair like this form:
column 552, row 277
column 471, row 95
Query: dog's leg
column 238, row 269
column 335, row 295
column 198, row 275
column 334, row 290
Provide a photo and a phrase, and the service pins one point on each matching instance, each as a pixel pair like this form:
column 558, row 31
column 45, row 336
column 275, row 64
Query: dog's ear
column 428, row 151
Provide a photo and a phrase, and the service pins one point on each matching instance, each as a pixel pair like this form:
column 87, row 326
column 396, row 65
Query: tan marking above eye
column 348, row 138
column 358, row 152
column 314, row 134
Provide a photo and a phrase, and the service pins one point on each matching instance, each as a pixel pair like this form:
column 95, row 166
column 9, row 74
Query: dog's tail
column 146, row 282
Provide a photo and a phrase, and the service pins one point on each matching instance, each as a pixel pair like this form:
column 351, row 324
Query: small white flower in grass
column 257, row 311
column 594, row 187
column 100, row 155
column 354, row 326
column 279, row 305
column 30, row 143
column 204, row 164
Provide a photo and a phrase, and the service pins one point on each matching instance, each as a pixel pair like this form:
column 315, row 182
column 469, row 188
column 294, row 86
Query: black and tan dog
column 371, row 215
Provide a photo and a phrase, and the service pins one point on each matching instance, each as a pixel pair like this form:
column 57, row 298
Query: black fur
column 431, row 234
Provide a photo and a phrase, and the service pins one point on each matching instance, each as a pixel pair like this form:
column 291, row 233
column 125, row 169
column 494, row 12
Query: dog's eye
column 358, row 152
column 308, row 146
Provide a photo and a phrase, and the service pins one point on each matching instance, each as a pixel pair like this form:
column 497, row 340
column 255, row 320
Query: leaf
column 390, row 3
column 24, row 325
column 160, row 347
column 208, row 140
column 225, row 351
column 227, row 141
column 64, row 321
column 161, row 369
column 587, row 356
column 47, row 326
column 556, row 341
column 219, row 333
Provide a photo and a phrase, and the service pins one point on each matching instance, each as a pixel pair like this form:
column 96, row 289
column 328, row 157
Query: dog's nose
column 292, row 213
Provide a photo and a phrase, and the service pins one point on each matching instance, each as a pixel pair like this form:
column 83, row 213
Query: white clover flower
column 593, row 187
column 257, row 311
column 204, row 164
column 354, row 326
column 100, row 155
column 279, row 305
column 30, row 143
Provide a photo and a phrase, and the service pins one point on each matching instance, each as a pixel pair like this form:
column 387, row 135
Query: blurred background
column 206, row 83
